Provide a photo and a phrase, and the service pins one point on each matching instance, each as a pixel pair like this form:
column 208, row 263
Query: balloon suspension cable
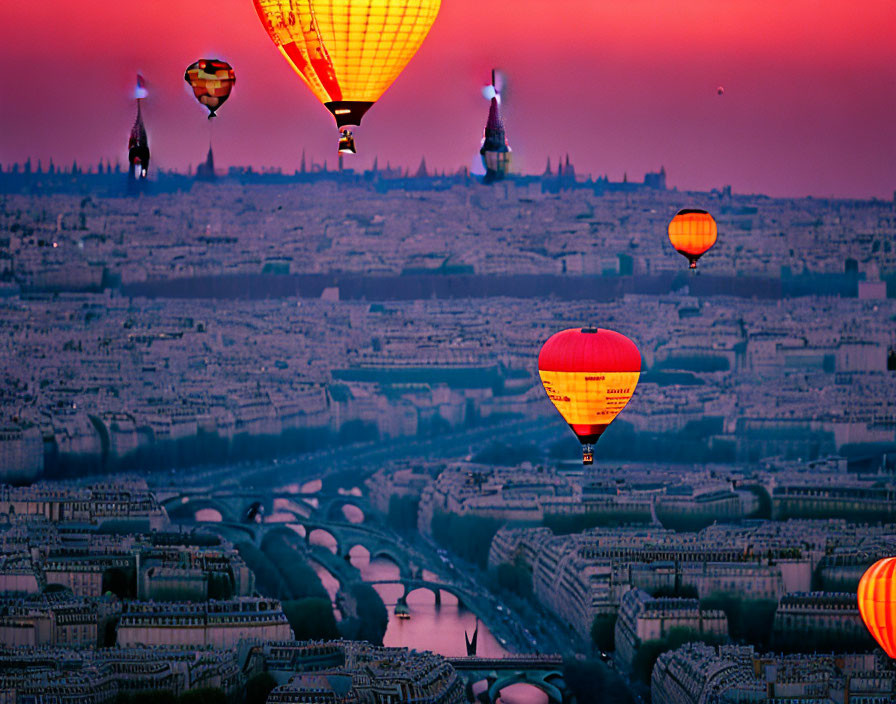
column 587, row 453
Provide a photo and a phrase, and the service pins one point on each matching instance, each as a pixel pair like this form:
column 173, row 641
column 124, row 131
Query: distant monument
column 138, row 143
column 206, row 170
column 495, row 152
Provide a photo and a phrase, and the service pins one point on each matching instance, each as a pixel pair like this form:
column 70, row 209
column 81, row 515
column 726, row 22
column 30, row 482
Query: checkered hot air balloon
column 211, row 81
column 348, row 52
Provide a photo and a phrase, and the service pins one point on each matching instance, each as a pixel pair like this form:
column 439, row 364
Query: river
column 439, row 628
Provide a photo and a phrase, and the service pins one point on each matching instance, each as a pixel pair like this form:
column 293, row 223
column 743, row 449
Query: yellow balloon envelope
column 348, row 52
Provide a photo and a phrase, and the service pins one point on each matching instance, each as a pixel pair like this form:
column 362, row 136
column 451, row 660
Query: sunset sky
column 622, row 86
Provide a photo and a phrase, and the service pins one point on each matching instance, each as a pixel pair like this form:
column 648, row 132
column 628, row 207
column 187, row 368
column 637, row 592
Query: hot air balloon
column 348, row 52
column 692, row 232
column 211, row 81
column 877, row 602
column 589, row 374
column 720, row 90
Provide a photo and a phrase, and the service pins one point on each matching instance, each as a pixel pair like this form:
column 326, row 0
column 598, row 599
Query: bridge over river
column 544, row 672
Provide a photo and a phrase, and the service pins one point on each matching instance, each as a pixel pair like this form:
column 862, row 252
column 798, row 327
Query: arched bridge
column 346, row 535
column 463, row 596
column 542, row 671
column 234, row 504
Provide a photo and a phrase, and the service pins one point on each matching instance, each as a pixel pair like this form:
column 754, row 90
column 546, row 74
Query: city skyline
column 457, row 419
column 806, row 110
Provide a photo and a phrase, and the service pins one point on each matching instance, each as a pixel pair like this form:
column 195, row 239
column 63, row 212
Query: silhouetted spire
column 138, row 146
column 495, row 152
column 471, row 642
column 547, row 168
column 206, row 170
column 302, row 169
column 421, row 170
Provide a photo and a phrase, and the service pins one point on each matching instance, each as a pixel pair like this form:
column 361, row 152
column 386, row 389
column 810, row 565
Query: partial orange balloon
column 590, row 375
column 877, row 603
column 692, row 232
column 348, row 52
column 211, row 81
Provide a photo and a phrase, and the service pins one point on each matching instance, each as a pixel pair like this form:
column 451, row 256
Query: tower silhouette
column 138, row 146
column 495, row 152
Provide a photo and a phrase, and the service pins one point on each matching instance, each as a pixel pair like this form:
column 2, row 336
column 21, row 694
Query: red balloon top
column 589, row 350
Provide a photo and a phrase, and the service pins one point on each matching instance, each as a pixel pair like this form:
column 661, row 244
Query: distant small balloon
column 692, row 232
column 720, row 90
column 211, row 81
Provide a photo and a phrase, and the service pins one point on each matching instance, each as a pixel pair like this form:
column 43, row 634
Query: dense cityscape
column 254, row 429
column 457, row 406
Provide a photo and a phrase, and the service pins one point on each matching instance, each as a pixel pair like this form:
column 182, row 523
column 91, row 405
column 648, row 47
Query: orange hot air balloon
column 877, row 603
column 589, row 374
column 348, row 52
column 692, row 232
column 211, row 81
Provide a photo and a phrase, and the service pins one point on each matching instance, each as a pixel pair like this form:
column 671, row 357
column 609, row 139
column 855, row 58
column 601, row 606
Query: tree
column 403, row 513
column 514, row 578
column 203, row 695
column 220, row 586
column 646, row 657
column 259, row 687
column 299, row 578
column 468, row 536
column 153, row 697
column 648, row 652
column 311, row 618
column 603, row 632
column 592, row 682
column 749, row 620
column 267, row 577
column 118, row 581
column 372, row 617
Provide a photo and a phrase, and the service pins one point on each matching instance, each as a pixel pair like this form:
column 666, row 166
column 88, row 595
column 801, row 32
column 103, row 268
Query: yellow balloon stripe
column 349, row 50
column 589, row 398
column 877, row 602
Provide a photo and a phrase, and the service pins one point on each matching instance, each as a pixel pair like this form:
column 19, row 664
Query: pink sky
column 621, row 85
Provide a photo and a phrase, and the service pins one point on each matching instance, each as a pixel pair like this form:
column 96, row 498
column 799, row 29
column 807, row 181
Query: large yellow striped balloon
column 348, row 52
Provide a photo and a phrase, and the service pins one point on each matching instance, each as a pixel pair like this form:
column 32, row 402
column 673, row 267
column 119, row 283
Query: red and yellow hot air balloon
column 589, row 374
column 211, row 81
column 348, row 52
column 693, row 232
column 877, row 603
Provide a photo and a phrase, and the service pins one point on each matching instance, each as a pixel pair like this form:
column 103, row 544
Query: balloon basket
column 346, row 143
column 587, row 454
